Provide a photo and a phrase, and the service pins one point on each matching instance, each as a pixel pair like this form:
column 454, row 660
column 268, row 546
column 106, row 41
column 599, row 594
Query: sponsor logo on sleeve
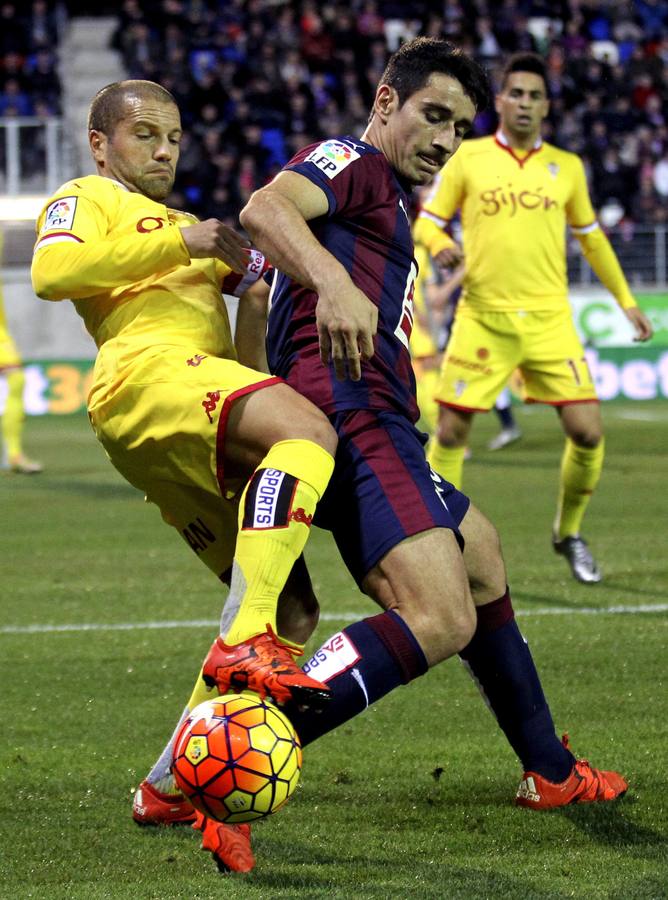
column 332, row 157
column 336, row 656
column 60, row 214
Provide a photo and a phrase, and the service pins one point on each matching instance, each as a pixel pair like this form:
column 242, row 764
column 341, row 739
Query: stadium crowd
column 257, row 79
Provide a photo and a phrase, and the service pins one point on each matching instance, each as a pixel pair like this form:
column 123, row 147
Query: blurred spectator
column 14, row 101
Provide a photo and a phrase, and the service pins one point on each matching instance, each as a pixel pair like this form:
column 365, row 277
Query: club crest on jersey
column 195, row 360
column 332, row 157
column 60, row 214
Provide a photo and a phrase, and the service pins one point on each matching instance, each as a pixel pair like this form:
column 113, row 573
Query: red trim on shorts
column 10, row 366
column 561, row 402
column 224, row 414
column 471, row 409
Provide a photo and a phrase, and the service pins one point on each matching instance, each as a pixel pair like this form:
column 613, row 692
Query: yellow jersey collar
column 503, row 142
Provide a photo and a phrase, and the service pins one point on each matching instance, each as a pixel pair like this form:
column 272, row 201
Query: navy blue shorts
column 383, row 489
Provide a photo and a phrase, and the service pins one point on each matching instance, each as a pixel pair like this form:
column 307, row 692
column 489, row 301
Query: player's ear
column 98, row 144
column 385, row 102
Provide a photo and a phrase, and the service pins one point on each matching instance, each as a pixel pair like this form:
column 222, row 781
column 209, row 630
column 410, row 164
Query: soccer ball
column 237, row 758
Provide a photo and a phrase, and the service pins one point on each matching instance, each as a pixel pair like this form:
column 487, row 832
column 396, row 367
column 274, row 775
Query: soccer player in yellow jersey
column 178, row 415
column 516, row 194
column 13, row 417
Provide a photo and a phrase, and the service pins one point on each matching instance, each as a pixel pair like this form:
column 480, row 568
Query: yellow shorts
column 486, row 348
column 163, row 428
column 9, row 355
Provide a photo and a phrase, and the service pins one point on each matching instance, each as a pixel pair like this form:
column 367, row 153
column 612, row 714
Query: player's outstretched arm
column 213, row 239
column 276, row 218
column 603, row 260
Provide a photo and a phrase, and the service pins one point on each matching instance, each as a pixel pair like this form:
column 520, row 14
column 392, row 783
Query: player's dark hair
column 525, row 62
column 107, row 107
column 410, row 67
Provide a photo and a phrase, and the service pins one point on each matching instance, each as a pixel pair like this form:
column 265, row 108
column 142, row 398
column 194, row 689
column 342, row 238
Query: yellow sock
column 13, row 416
column 274, row 522
column 447, row 461
column 580, row 471
column 200, row 693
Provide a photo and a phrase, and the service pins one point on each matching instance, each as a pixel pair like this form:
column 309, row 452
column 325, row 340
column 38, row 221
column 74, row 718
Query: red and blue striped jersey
column 367, row 229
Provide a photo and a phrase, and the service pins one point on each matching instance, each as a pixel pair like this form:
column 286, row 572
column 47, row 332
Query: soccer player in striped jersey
column 335, row 224
column 516, row 194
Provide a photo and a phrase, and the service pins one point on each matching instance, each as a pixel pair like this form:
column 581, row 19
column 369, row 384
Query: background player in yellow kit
column 178, row 415
column 13, row 417
column 516, row 194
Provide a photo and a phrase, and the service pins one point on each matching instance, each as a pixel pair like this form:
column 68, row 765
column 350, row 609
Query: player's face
column 419, row 137
column 522, row 105
column 143, row 149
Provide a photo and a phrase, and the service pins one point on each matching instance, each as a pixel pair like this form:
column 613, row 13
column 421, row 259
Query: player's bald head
column 110, row 104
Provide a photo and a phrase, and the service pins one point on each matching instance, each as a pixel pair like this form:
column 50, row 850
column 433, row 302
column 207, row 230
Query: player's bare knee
column 483, row 558
column 310, row 424
column 587, row 437
column 323, row 433
column 454, row 632
column 452, row 429
column 444, row 628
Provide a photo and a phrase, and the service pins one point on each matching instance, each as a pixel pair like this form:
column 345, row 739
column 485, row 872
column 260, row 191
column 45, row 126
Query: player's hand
column 347, row 321
column 449, row 257
column 213, row 239
column 642, row 325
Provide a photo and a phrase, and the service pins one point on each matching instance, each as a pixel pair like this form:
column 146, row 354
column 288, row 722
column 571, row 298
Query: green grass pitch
column 411, row 800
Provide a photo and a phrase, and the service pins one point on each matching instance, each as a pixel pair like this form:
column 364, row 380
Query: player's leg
column 447, row 449
column 499, row 658
column 207, row 427
column 510, row 430
column 481, row 355
column 158, row 801
column 426, row 370
column 395, row 523
column 290, row 445
column 13, row 420
column 295, row 444
column 580, row 471
column 555, row 371
column 500, row 661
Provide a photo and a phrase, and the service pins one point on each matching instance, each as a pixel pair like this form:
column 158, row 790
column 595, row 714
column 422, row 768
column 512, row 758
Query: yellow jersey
column 514, row 212
column 121, row 258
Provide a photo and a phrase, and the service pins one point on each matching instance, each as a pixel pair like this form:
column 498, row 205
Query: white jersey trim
column 586, row 229
column 56, row 239
column 425, row 214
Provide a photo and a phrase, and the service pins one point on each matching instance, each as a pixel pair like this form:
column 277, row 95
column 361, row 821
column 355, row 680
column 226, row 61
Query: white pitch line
column 324, row 617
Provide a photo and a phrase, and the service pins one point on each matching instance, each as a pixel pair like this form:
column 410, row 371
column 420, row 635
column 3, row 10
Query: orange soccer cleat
column 583, row 785
column 230, row 845
column 265, row 665
column 151, row 807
